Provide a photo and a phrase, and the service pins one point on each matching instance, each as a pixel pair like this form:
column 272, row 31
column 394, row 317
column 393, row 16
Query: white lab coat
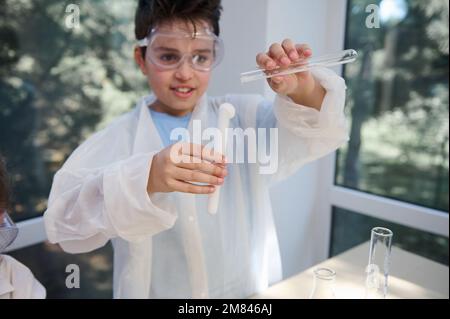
column 17, row 281
column 167, row 245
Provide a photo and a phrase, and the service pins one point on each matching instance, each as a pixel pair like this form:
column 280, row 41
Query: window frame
column 330, row 195
column 31, row 232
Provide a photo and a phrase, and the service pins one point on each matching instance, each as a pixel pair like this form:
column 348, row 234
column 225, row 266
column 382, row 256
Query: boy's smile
column 183, row 91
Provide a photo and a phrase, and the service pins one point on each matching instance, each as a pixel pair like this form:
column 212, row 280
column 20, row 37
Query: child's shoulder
column 124, row 125
column 115, row 138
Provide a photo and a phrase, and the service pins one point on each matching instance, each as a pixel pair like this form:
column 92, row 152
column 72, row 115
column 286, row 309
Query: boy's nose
column 184, row 71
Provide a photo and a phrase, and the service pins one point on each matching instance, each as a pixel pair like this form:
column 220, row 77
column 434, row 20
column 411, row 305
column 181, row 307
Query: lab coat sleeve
column 304, row 133
column 89, row 206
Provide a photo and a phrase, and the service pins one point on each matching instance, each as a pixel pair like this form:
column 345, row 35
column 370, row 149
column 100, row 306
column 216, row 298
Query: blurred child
column 16, row 280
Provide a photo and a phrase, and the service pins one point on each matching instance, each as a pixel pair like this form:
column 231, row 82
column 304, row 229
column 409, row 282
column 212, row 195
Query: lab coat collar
column 147, row 138
column 5, row 286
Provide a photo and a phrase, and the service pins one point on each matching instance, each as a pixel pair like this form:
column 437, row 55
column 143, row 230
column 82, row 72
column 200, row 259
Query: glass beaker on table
column 323, row 284
column 377, row 270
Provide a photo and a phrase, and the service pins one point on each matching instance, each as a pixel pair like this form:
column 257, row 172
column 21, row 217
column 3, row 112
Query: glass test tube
column 328, row 60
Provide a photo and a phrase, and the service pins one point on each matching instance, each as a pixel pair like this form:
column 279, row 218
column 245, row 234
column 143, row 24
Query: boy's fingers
column 189, row 162
column 289, row 48
column 265, row 62
column 303, row 50
column 210, row 155
column 184, row 187
column 201, row 153
column 188, row 175
column 277, row 83
column 277, row 53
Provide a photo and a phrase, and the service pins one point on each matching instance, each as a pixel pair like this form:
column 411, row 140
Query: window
column 58, row 85
column 398, row 103
column 394, row 170
column 422, row 243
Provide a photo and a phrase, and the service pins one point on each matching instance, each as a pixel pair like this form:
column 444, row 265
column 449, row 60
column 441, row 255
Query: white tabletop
column 411, row 276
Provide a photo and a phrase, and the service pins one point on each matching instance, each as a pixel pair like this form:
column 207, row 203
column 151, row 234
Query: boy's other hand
column 178, row 166
column 300, row 87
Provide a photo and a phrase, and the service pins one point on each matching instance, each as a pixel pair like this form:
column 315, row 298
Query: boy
column 123, row 185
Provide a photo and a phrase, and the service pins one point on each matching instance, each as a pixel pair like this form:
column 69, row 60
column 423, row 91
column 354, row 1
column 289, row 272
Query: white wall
column 249, row 27
column 244, row 31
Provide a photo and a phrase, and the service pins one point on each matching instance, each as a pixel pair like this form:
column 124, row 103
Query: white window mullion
column 31, row 232
column 335, row 41
column 392, row 210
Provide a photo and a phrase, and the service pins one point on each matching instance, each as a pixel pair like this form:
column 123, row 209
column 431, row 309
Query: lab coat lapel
column 147, row 138
column 137, row 282
column 6, row 289
column 192, row 237
column 200, row 112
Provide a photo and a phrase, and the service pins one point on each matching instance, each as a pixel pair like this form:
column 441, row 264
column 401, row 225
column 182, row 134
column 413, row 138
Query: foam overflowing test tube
column 328, row 60
column 226, row 113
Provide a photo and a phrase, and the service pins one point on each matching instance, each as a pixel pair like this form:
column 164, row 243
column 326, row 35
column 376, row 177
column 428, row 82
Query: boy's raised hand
column 176, row 167
column 301, row 87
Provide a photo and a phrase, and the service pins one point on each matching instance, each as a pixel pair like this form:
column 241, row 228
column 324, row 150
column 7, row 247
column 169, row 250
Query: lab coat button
column 191, row 218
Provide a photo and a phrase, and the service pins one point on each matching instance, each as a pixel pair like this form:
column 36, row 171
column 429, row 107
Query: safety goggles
column 168, row 50
column 8, row 232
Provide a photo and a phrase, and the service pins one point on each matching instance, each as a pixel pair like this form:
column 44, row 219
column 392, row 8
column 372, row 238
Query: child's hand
column 301, row 87
column 174, row 168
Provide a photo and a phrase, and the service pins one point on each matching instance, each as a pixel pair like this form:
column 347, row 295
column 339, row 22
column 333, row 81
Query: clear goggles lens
column 169, row 50
column 8, row 232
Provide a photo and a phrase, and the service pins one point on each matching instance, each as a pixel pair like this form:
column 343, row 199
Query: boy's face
column 179, row 89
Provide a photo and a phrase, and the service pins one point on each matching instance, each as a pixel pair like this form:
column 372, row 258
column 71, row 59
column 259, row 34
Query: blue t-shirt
column 165, row 123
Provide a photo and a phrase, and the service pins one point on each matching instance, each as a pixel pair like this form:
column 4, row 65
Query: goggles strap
column 142, row 43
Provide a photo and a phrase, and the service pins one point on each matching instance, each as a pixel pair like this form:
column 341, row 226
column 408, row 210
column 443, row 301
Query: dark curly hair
column 150, row 13
column 4, row 186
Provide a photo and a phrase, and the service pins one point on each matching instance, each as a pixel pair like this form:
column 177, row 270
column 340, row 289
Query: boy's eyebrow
column 166, row 49
column 203, row 50
column 162, row 48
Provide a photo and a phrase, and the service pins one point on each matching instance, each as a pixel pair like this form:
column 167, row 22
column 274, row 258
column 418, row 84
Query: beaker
column 377, row 270
column 323, row 284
